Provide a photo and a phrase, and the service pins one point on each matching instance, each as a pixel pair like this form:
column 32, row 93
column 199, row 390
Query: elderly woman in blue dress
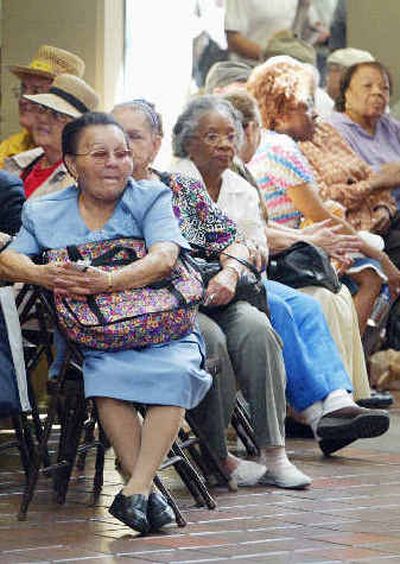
column 106, row 204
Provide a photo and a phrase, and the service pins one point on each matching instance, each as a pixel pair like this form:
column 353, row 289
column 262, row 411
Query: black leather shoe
column 159, row 512
column 378, row 400
column 353, row 421
column 344, row 426
column 330, row 446
column 131, row 510
column 296, row 430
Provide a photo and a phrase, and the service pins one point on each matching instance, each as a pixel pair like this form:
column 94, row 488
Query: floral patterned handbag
column 135, row 318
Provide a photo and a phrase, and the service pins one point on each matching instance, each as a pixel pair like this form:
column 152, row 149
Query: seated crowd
column 255, row 170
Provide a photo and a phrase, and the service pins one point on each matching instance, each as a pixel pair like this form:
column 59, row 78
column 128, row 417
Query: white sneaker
column 248, row 473
column 290, row 478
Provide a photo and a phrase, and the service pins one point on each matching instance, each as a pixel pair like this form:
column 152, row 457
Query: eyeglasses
column 101, row 156
column 57, row 116
column 215, row 139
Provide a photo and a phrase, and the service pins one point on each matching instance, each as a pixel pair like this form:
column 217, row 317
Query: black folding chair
column 14, row 398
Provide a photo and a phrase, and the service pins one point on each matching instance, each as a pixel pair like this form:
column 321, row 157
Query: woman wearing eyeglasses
column 42, row 169
column 105, row 204
column 35, row 78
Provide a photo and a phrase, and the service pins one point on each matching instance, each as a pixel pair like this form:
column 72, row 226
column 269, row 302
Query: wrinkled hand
column 338, row 245
column 258, row 255
column 221, row 288
column 323, row 33
column 66, row 279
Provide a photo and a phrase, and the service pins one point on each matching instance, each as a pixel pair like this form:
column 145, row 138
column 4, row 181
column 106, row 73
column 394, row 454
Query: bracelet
column 110, row 276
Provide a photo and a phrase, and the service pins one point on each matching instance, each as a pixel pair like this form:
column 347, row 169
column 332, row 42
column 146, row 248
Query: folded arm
column 66, row 278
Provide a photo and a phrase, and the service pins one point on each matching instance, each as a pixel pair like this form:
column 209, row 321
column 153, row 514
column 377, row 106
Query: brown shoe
column 352, row 423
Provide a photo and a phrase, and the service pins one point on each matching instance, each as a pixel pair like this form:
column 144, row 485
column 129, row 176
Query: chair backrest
column 13, row 383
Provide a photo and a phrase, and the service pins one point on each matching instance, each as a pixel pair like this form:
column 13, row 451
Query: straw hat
column 349, row 57
column 49, row 62
column 68, row 95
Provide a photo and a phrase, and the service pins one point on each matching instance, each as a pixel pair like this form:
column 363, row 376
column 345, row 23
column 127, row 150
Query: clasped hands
column 68, row 280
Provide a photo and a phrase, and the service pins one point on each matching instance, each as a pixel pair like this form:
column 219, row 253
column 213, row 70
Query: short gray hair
column 188, row 120
column 148, row 110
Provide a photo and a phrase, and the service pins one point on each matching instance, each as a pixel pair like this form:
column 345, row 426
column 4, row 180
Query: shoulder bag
column 303, row 264
column 135, row 318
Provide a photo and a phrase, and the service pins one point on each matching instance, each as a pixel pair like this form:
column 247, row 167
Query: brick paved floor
column 350, row 514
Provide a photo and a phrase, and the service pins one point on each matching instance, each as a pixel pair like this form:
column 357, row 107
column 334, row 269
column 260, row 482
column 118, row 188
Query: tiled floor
column 350, row 514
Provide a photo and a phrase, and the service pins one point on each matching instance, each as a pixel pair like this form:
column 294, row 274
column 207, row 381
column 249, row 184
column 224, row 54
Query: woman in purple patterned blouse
column 239, row 335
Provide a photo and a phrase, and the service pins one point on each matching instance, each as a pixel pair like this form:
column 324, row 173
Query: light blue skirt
column 168, row 374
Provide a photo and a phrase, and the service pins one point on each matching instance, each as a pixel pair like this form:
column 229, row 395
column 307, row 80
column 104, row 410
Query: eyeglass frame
column 56, row 115
column 100, row 160
column 219, row 137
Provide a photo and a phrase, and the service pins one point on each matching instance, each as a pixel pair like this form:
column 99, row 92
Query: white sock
column 313, row 414
column 276, row 460
column 336, row 400
column 280, row 471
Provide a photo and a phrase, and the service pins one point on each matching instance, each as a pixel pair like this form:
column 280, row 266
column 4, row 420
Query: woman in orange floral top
column 284, row 90
column 342, row 176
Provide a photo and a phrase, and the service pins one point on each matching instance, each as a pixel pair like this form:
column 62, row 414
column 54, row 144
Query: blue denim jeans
column 313, row 364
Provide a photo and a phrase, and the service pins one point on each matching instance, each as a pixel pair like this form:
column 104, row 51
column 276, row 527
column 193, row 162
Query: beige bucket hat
column 286, row 43
column 49, row 62
column 68, row 95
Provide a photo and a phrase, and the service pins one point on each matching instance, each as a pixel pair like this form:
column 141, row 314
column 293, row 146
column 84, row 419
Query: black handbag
column 303, row 264
column 250, row 287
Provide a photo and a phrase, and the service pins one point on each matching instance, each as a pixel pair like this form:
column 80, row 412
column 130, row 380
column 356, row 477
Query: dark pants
column 392, row 240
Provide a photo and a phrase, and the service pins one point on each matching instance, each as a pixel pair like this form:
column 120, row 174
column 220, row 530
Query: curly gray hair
column 188, row 121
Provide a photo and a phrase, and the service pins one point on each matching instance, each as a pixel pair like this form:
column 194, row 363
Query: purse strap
column 242, row 261
column 104, row 260
column 245, row 263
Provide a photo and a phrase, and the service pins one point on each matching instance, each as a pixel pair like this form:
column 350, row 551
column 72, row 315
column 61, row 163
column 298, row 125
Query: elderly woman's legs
column 160, row 427
column 256, row 355
column 369, row 285
column 313, row 364
column 140, row 448
column 214, row 413
column 342, row 320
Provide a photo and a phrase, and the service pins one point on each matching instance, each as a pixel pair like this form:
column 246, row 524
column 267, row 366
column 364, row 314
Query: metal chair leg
column 242, row 425
column 204, row 456
column 193, row 480
column 29, row 461
column 180, row 520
